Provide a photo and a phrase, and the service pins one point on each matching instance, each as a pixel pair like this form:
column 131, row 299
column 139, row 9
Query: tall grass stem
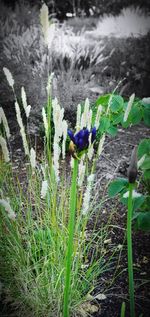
column 71, row 226
column 123, row 309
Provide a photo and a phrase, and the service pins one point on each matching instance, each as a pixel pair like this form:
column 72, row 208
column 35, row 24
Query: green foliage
column 112, row 116
column 116, row 103
column 144, row 152
column 140, row 204
column 142, row 221
column 117, row 186
column 146, row 112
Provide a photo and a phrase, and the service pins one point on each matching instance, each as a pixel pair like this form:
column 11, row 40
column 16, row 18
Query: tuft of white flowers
column 44, row 189
column 49, row 83
column 101, row 143
column 3, row 119
column 129, row 106
column 4, row 149
column 45, row 121
column 44, row 21
column 22, row 129
column 89, row 120
column 9, row 77
column 98, row 115
column 56, row 156
column 60, row 126
column 81, row 172
column 90, row 148
column 48, row 29
column 85, row 114
column 6, row 205
column 87, row 194
column 26, row 107
column 33, row 158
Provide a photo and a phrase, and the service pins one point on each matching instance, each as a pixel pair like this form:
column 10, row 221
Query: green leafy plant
column 119, row 186
column 137, row 204
column 114, row 107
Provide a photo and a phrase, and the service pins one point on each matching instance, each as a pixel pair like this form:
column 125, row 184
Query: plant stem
column 123, row 308
column 71, row 226
column 130, row 257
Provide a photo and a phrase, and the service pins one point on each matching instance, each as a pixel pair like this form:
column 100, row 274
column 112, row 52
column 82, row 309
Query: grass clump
column 34, row 222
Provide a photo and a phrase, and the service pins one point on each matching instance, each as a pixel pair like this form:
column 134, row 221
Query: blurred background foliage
column 85, row 7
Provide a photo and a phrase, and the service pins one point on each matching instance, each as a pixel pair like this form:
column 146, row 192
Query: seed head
column 5, row 151
column 9, row 77
column 129, row 106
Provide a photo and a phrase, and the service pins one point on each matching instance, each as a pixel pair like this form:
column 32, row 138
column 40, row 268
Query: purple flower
column 81, row 138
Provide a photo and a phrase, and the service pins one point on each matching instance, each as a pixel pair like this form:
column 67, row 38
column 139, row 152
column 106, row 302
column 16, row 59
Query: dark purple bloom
column 81, row 138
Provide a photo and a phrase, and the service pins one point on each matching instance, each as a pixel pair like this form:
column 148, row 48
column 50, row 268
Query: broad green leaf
column 112, row 130
column 147, row 174
column 147, row 116
column 116, row 103
column 117, row 118
column 137, row 202
column 104, row 124
column 142, row 221
column 146, row 204
column 144, row 148
column 117, row 186
column 136, row 115
column 103, row 100
column 146, row 164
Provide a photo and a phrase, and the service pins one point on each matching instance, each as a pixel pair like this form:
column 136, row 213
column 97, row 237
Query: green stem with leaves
column 71, row 226
column 129, row 246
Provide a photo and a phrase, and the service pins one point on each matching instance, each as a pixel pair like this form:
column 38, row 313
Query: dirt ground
column 114, row 283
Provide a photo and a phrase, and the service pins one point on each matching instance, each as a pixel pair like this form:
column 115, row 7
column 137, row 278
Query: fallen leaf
column 86, row 308
column 100, row 296
column 107, row 241
column 145, row 260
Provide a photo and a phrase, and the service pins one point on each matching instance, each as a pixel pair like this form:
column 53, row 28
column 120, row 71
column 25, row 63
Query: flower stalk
column 71, row 226
column 130, row 256
column 132, row 175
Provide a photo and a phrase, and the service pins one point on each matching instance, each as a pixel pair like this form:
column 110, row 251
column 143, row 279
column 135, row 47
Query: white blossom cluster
column 48, row 29
column 61, row 127
column 129, row 106
column 3, row 142
column 87, row 194
column 11, row 214
column 3, row 119
column 30, row 153
column 26, row 107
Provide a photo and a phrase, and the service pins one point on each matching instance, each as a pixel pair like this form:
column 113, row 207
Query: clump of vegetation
column 138, row 204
